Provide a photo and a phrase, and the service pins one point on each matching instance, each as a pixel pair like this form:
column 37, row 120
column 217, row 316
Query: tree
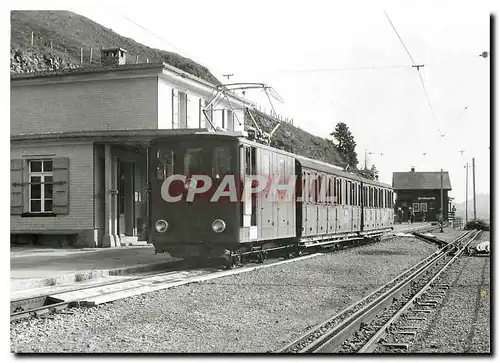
column 345, row 143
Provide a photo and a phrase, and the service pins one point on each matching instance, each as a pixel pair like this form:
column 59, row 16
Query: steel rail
column 371, row 345
column 369, row 306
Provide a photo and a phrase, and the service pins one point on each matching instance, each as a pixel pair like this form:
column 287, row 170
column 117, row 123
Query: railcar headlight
column 161, row 226
column 218, row 226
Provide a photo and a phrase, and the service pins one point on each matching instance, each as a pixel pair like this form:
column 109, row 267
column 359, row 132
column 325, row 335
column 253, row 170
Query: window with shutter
column 40, row 186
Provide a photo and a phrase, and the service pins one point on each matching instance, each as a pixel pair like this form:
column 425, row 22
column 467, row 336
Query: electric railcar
column 329, row 206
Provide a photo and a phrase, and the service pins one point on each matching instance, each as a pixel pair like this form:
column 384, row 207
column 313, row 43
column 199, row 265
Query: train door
column 354, row 208
column 249, row 202
column 280, row 207
column 309, row 207
column 290, row 199
column 265, row 163
column 331, row 215
column 314, row 205
column 321, row 204
column 357, row 220
column 366, row 208
column 338, row 205
column 345, row 217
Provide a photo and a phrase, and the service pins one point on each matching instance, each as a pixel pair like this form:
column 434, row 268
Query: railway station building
column 421, row 191
column 79, row 146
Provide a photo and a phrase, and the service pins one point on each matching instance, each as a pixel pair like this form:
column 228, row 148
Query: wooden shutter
column 230, row 120
column 175, row 109
column 16, row 187
column 60, row 168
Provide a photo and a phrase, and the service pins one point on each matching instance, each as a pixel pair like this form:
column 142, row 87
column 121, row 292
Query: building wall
column 168, row 113
column 168, row 116
column 164, row 104
column 93, row 104
column 406, row 198
column 80, row 216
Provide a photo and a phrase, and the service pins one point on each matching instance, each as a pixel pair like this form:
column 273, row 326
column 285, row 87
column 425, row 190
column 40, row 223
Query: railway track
column 179, row 273
column 361, row 327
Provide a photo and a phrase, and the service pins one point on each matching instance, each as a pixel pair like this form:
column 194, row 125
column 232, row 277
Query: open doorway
column 126, row 189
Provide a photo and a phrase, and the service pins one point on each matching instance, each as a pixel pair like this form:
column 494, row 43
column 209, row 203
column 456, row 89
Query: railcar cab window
column 221, row 163
column 193, row 161
column 165, row 163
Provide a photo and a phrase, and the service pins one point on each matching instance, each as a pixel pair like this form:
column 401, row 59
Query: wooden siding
column 89, row 105
column 80, row 186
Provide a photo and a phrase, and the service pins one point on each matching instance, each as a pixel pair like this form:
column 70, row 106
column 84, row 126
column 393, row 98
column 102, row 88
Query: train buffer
column 430, row 238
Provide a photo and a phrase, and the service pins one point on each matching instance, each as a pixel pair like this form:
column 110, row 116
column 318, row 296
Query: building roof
column 86, row 70
column 123, row 67
column 420, row 180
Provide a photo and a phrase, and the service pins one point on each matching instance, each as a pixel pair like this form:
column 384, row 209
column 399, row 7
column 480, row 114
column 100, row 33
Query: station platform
column 410, row 227
column 35, row 266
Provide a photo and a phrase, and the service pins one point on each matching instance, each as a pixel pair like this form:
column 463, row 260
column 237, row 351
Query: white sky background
column 385, row 109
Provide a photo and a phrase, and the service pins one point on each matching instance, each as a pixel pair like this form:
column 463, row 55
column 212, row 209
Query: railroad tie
column 430, row 302
column 396, row 345
column 433, row 305
column 421, row 311
column 416, row 318
column 406, row 332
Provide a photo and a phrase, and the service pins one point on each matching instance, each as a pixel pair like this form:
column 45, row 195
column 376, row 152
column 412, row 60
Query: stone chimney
column 113, row 56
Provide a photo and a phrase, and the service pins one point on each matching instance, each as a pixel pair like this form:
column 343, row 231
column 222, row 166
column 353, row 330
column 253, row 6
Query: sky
column 316, row 55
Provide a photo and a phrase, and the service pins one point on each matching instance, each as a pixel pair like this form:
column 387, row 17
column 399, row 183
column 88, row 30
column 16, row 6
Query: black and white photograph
column 287, row 178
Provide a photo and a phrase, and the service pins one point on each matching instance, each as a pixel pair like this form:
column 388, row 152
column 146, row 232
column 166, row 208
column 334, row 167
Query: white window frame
column 42, row 174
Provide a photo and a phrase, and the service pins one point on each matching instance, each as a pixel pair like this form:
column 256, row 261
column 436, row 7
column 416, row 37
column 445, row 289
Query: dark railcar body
column 328, row 204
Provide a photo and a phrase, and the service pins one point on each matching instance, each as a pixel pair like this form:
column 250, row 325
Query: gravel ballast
column 257, row 311
column 462, row 323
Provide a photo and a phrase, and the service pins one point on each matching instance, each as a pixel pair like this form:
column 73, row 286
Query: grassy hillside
column 69, row 32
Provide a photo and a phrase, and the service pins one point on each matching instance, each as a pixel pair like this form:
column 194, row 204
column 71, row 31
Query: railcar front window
column 165, row 163
column 222, row 160
column 193, row 161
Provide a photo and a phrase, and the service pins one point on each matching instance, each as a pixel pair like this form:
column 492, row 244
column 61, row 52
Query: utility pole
column 229, row 75
column 474, row 185
column 442, row 207
column 466, row 192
